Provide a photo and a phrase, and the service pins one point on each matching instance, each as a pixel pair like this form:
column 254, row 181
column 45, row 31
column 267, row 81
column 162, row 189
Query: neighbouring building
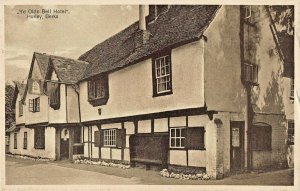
column 47, row 111
column 185, row 87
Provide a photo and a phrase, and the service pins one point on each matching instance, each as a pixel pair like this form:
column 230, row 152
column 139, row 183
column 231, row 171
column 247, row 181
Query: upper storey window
column 162, row 78
column 98, row 90
column 34, row 105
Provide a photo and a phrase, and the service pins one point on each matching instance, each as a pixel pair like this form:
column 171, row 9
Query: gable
column 36, row 72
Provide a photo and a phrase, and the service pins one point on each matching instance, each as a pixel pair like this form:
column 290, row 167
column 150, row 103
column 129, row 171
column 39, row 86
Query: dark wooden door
column 236, row 147
column 64, row 144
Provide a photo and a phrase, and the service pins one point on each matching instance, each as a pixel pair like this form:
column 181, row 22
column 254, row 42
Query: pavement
column 28, row 172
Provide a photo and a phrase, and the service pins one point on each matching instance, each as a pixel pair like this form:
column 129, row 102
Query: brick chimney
column 142, row 35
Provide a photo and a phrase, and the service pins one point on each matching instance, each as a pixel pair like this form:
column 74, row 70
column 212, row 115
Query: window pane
column 183, row 142
column 178, row 132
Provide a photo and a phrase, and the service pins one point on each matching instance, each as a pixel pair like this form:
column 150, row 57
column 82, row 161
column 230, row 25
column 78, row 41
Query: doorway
column 64, row 143
column 236, row 146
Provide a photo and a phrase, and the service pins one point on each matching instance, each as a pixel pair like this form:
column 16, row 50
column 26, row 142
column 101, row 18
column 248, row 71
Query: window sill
column 39, row 148
column 174, row 148
column 162, row 94
column 98, row 101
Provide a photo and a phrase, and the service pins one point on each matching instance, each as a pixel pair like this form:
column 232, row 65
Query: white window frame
column 109, row 137
column 180, row 138
column 162, row 78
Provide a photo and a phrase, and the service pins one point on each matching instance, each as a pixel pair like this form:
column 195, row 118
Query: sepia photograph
column 149, row 94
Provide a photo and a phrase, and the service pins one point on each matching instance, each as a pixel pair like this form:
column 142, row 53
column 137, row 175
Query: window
column 177, row 137
column 25, row 141
column 189, row 138
column 98, row 90
column 39, row 138
column 109, row 137
column 15, row 141
column 162, row 78
column 291, row 133
column 34, row 105
column 77, row 135
column 20, row 108
column 292, row 89
column 250, row 73
column 54, row 95
column 261, row 137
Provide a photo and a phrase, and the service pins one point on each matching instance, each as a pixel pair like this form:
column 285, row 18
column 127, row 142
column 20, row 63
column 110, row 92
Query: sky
column 69, row 35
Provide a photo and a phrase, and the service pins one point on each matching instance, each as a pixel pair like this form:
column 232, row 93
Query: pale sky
column 70, row 35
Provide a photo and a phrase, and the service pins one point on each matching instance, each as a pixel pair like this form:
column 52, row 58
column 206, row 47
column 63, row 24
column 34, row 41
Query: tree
column 9, row 110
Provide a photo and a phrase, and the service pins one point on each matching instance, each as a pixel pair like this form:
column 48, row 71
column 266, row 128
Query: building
column 185, row 87
column 47, row 111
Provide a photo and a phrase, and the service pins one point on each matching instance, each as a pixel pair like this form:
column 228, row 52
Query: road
column 28, row 172
column 18, row 173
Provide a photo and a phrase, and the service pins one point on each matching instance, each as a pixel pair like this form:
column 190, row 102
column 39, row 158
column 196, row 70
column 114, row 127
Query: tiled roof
column 21, row 88
column 180, row 24
column 43, row 61
column 68, row 70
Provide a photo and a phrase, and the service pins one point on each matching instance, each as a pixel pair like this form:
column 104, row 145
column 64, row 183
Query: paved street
column 27, row 172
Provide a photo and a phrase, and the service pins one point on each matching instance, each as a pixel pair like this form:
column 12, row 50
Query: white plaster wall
column 72, row 105
column 105, row 153
column 116, row 154
column 161, row 125
column 37, row 117
column 126, row 155
column 197, row 120
column 130, row 89
column 197, row 158
column 178, row 121
column 48, row 152
column 178, row 157
column 59, row 115
column 223, row 89
column 144, row 126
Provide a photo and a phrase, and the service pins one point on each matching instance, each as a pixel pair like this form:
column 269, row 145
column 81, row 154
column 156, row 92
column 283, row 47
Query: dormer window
column 98, row 90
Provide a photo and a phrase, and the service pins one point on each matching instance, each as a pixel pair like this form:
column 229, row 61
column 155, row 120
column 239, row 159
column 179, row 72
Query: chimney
column 142, row 35
column 142, row 17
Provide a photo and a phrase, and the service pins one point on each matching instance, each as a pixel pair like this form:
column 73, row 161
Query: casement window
column 39, row 138
column 177, row 137
column 110, row 138
column 20, row 108
column 291, row 133
column 261, row 138
column 98, row 90
column 250, row 73
column 25, row 141
column 15, row 141
column 34, row 105
column 6, row 140
column 54, row 95
column 292, row 89
column 187, row 137
column 162, row 75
